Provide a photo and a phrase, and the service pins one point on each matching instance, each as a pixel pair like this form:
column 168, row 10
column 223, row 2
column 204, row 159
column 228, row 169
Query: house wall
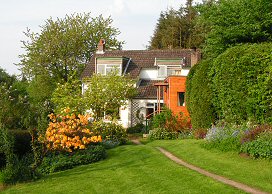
column 175, row 84
column 151, row 74
column 125, row 116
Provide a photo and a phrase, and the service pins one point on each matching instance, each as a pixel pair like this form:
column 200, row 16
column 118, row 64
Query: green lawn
column 255, row 173
column 128, row 169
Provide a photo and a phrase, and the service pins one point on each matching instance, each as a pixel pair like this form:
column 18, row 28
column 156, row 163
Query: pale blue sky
column 136, row 19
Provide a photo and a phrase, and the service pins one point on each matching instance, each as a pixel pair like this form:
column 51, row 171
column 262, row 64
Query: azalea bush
column 69, row 132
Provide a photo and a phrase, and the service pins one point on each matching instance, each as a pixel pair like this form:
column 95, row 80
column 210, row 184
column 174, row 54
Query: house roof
column 147, row 89
column 139, row 59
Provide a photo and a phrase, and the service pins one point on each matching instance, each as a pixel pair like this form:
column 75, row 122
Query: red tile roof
column 139, row 59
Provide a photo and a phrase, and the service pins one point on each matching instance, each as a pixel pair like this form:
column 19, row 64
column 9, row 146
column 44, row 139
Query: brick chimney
column 195, row 56
column 101, row 47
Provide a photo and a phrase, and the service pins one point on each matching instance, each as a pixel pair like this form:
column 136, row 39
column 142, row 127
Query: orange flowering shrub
column 69, row 132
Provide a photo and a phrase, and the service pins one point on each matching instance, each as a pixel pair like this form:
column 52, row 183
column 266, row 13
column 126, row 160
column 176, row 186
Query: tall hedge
column 241, row 83
column 199, row 96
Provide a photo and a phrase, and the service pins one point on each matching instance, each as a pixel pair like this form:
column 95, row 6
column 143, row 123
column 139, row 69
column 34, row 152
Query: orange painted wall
column 175, row 84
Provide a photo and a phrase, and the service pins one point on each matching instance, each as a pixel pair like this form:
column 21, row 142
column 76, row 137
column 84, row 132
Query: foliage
column 129, row 169
column 232, row 22
column 162, row 133
column 200, row 133
column 62, row 161
column 20, row 170
column 241, row 84
column 40, row 89
column 68, row 95
column 138, row 128
column 198, row 96
column 260, row 147
column 253, row 134
column 109, row 92
column 224, row 138
column 22, row 142
column 16, row 168
column 65, row 45
column 110, row 131
column 177, row 29
column 14, row 104
column 69, row 133
column 172, row 123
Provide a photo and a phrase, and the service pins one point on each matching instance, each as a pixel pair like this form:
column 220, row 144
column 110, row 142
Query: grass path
column 254, row 173
column 128, row 169
column 214, row 176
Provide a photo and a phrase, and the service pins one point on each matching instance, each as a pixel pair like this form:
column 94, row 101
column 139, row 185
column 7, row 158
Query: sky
column 136, row 20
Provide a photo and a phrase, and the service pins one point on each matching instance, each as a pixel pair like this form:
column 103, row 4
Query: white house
column 148, row 67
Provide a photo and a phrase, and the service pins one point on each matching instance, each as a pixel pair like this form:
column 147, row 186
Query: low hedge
column 55, row 162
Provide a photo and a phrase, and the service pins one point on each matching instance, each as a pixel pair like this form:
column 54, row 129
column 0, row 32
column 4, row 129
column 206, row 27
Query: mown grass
column 128, row 169
column 255, row 173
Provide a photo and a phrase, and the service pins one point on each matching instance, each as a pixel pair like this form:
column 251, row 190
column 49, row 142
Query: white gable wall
column 150, row 74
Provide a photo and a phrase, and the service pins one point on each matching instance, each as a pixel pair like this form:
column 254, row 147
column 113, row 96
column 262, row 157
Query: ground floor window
column 181, row 98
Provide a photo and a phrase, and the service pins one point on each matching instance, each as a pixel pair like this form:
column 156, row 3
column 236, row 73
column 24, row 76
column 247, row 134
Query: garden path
column 222, row 179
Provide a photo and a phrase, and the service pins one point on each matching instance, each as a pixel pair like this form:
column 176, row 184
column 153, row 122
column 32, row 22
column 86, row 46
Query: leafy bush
column 69, row 133
column 260, row 147
column 223, row 138
column 22, row 142
column 138, row 128
column 15, row 168
column 242, row 85
column 253, row 134
column 198, row 96
column 55, row 162
column 110, row 131
column 172, row 123
column 19, row 170
column 161, row 133
column 200, row 133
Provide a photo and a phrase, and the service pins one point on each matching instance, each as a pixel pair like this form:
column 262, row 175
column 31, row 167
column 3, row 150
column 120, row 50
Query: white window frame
column 167, row 68
column 107, row 67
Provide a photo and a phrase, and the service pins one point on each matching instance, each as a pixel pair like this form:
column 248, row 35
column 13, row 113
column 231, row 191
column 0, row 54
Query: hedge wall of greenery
column 241, row 83
column 199, row 96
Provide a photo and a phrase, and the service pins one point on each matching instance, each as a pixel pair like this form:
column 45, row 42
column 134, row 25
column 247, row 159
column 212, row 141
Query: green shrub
column 138, row 128
column 253, row 134
column 19, row 170
column 172, row 123
column 22, row 142
column 110, row 131
column 242, row 84
column 260, row 147
column 223, row 138
column 161, row 133
column 55, row 162
column 198, row 96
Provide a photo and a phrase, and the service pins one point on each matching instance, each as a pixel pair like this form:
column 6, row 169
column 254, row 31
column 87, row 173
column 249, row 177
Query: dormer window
column 167, row 67
column 105, row 69
column 167, row 70
column 105, row 65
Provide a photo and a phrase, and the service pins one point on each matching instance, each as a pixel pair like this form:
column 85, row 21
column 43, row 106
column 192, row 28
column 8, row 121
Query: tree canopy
column 177, row 29
column 232, row 83
column 108, row 93
column 233, row 22
column 64, row 46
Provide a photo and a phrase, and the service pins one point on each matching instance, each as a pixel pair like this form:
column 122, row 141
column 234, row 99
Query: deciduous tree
column 64, row 46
